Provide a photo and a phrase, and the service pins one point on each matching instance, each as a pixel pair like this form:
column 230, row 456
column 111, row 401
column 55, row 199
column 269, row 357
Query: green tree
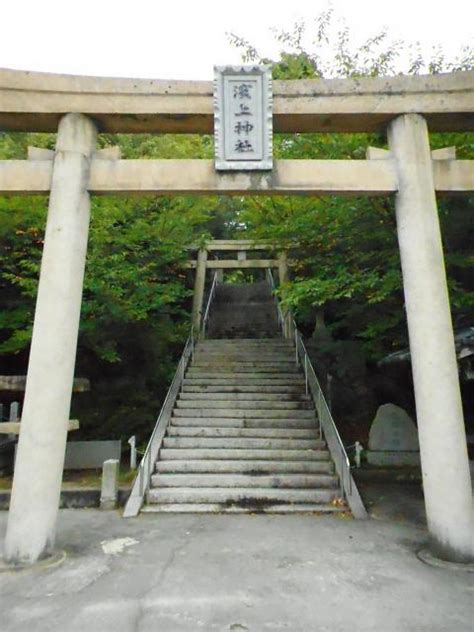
column 135, row 313
column 345, row 251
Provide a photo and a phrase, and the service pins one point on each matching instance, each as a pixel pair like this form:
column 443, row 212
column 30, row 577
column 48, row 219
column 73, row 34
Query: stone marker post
column 14, row 416
column 39, row 464
column 109, row 487
column 14, row 411
column 443, row 450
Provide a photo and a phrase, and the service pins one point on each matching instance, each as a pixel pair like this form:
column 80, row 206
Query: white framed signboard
column 243, row 118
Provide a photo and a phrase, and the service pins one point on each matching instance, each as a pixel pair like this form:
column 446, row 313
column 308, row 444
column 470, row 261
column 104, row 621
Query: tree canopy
column 137, row 291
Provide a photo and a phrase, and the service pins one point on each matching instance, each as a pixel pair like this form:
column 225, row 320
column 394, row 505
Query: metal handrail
column 145, row 469
column 208, row 306
column 147, row 464
column 327, row 426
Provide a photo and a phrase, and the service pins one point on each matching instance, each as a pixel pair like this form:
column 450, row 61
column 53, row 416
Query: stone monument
column 393, row 438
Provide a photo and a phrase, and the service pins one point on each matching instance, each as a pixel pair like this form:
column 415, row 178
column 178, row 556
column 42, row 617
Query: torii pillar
column 283, row 278
column 41, row 448
column 199, row 284
column 444, row 460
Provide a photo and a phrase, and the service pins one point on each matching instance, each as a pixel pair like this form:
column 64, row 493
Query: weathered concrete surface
column 199, row 284
column 73, row 498
column 41, row 446
column 14, row 427
column 441, row 430
column 224, row 573
column 235, row 245
column 33, row 101
column 17, row 383
column 234, row 264
column 81, row 455
column 109, row 487
column 198, row 177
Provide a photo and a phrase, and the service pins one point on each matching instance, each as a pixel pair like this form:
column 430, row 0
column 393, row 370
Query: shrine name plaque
column 243, row 118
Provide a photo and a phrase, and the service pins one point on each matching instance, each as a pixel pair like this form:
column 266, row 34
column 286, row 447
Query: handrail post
column 306, row 372
column 296, row 346
column 147, row 480
column 145, row 469
column 342, row 472
column 140, row 480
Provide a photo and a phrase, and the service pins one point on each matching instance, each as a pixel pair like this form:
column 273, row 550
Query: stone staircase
column 243, row 310
column 243, row 435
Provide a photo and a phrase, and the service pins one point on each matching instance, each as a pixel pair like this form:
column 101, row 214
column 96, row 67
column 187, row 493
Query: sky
column 183, row 39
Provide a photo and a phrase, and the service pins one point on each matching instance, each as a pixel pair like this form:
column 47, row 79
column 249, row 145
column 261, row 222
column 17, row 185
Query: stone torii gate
column 80, row 107
column 242, row 247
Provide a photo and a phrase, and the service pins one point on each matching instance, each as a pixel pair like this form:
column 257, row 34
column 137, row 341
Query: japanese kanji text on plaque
column 243, row 118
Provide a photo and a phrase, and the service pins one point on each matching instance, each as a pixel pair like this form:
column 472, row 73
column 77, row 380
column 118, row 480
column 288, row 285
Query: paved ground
column 236, row 573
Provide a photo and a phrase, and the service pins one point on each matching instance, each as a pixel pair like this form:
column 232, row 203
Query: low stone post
column 109, row 486
column 14, row 416
column 199, row 284
column 44, row 422
column 443, row 450
column 14, row 411
column 132, row 442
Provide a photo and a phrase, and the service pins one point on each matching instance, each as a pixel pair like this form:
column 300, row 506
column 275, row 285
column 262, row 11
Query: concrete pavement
column 237, row 572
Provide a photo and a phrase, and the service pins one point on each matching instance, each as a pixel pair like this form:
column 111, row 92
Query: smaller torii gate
column 241, row 247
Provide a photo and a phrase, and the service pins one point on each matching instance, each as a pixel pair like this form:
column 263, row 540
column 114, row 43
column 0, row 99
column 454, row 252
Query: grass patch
column 86, row 479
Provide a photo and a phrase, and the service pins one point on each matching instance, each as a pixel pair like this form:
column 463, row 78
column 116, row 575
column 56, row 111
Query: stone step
column 264, row 433
column 263, row 389
column 229, row 314
column 256, row 358
column 225, row 319
column 241, row 443
column 267, row 508
column 265, row 346
column 265, row 374
column 244, row 379
column 209, row 342
column 274, row 481
column 239, row 495
column 247, row 413
column 264, row 305
column 245, row 467
column 245, row 367
column 291, row 380
column 234, row 422
column 239, row 334
column 243, row 356
column 261, row 404
column 261, row 350
column 233, row 345
column 236, row 332
column 226, row 454
column 244, row 397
